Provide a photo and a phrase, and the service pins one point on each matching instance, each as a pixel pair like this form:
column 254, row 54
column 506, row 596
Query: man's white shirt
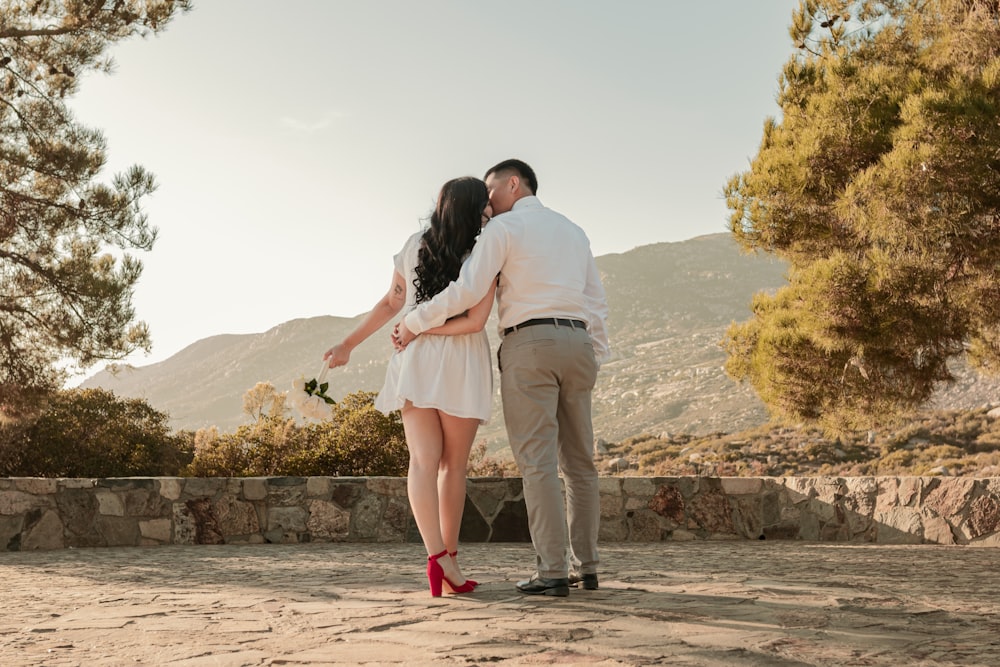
column 545, row 268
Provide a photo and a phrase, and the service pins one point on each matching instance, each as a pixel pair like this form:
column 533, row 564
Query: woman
column 442, row 383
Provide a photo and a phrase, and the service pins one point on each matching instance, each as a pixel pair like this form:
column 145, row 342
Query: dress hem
column 482, row 422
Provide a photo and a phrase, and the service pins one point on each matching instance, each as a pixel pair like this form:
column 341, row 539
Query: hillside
column 670, row 304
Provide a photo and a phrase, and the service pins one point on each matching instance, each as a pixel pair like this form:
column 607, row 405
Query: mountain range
column 670, row 304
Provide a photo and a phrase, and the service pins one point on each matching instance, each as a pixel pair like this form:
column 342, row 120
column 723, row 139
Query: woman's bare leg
column 458, row 435
column 425, row 442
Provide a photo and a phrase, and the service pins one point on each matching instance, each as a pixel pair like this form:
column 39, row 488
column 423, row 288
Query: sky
column 297, row 144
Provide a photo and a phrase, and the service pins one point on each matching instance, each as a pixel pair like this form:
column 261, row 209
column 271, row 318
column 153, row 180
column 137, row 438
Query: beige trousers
column 547, row 375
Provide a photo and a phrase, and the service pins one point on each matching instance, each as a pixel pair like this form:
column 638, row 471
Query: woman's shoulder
column 412, row 241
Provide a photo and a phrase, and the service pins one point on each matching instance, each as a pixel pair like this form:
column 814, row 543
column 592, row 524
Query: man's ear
column 515, row 182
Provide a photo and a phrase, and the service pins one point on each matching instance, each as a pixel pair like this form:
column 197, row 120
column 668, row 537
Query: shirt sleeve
column 597, row 309
column 470, row 287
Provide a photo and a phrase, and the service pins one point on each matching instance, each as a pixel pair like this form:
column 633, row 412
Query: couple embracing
column 487, row 241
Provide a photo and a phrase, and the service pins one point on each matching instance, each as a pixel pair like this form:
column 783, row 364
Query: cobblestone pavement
column 693, row 603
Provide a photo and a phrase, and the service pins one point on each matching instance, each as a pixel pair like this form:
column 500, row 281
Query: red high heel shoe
column 435, row 576
column 453, row 554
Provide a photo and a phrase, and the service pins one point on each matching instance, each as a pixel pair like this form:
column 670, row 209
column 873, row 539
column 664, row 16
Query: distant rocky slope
column 670, row 304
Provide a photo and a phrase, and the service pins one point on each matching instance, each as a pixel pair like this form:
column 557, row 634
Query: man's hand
column 401, row 336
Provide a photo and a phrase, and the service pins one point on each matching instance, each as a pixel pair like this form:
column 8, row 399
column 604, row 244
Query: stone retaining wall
column 40, row 513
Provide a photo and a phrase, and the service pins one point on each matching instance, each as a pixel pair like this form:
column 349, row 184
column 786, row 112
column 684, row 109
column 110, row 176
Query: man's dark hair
column 522, row 169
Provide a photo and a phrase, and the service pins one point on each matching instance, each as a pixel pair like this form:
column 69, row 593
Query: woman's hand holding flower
column 338, row 355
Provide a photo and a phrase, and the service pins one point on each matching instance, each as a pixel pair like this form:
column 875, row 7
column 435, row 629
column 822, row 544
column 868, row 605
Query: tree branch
column 34, row 32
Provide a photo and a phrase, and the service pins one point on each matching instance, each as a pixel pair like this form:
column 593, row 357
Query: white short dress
column 453, row 374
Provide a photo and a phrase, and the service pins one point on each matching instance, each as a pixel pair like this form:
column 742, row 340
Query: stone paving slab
column 720, row 604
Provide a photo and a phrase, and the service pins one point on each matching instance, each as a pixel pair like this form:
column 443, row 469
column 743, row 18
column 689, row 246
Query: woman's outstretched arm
column 383, row 311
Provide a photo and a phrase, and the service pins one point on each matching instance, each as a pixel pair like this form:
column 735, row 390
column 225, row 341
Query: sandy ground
column 694, row 603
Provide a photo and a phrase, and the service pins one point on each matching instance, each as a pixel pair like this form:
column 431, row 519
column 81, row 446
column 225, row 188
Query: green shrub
column 92, row 433
column 357, row 440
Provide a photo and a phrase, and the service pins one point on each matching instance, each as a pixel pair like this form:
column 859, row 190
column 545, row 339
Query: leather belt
column 555, row 321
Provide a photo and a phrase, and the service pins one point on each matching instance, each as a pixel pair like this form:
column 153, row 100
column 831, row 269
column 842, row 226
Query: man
column 553, row 314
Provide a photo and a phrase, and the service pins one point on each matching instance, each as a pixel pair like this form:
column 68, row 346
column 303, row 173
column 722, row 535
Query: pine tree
column 67, row 271
column 880, row 184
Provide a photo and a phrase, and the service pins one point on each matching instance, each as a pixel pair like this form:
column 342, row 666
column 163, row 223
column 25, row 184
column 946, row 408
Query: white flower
column 309, row 397
column 315, row 407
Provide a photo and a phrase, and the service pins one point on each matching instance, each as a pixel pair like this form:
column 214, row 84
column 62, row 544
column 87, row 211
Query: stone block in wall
column 116, row 531
column 475, row 527
column 144, row 502
column 328, row 522
column 235, row 517
column 76, row 483
column 896, row 492
column 18, row 502
column 254, row 488
column 511, row 522
column 612, row 530
column 346, row 492
column 860, row 495
column 202, row 487
column 782, row 530
column 711, row 512
column 612, row 504
column 950, row 497
column 834, row 532
column 936, row 530
column 487, row 495
column 413, row 536
column 742, row 486
column 770, row 508
column 809, row 524
column 366, row 516
column 747, row 516
column 285, row 491
column 78, row 509
column 830, row 490
column 10, row 532
column 318, row 487
column 799, row 489
column 644, row 526
column 45, row 532
column 387, row 487
column 991, row 541
column 185, row 528
column 980, row 518
column 610, row 485
column 202, row 515
column 155, row 531
column 288, row 520
column 169, row 488
column 859, row 525
column 641, row 487
column 899, row 525
column 668, row 502
column 824, row 511
column 515, row 488
column 109, row 504
column 36, row 486
column 395, row 521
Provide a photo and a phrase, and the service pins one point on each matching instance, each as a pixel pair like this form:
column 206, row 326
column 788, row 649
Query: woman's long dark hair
column 455, row 224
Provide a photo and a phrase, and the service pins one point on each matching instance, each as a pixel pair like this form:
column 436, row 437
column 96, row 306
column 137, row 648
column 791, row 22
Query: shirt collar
column 531, row 201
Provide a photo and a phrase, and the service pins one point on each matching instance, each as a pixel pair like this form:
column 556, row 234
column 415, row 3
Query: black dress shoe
column 589, row 581
column 542, row 586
